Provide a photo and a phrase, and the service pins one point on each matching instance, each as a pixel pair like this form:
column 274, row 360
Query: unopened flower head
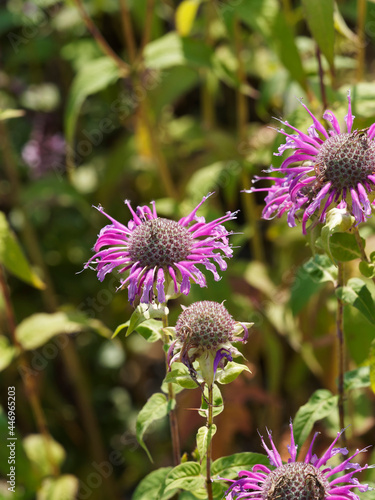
column 159, row 253
column 308, row 479
column 205, row 331
column 328, row 167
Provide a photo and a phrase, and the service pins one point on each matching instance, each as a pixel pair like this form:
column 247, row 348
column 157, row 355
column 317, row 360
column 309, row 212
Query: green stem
column 361, row 15
column 341, row 351
column 172, row 413
column 210, row 420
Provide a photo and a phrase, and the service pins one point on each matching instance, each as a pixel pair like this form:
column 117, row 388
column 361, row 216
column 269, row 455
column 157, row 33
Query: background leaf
column 12, row 257
column 319, row 406
column 319, row 17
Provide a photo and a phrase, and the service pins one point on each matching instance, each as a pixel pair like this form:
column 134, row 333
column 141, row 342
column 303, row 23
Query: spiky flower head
column 205, row 331
column 309, row 479
column 161, row 254
column 328, row 167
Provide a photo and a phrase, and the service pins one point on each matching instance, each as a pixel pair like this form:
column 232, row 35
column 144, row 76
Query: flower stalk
column 341, row 352
column 210, row 420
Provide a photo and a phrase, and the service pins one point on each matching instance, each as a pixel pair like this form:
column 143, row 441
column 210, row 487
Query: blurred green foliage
column 191, row 110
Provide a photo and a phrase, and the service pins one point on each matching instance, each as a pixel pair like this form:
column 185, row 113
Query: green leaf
column 204, row 437
column 40, row 451
column 218, row 404
column 344, row 247
column 150, row 330
column 303, row 288
column 144, row 312
column 357, row 294
column 266, row 17
column 319, row 406
column 38, row 329
column 231, row 371
column 185, row 15
column 152, row 487
column 6, row 114
column 60, row 488
column 321, row 269
column 172, row 50
column 180, row 375
column 186, row 476
column 229, row 467
column 94, row 76
column 7, row 352
column 12, row 257
column 156, row 408
column 367, row 269
column 355, row 379
column 319, row 17
column 372, row 366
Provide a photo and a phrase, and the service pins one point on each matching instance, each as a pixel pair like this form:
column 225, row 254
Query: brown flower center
column 295, row 481
column 159, row 242
column 205, row 324
column 346, row 160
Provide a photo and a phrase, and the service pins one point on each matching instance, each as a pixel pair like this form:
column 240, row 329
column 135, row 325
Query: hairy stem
column 209, row 448
column 172, row 413
column 341, row 352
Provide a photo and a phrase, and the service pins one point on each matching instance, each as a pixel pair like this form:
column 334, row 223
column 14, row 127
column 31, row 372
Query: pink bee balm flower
column 308, row 479
column 328, row 167
column 157, row 252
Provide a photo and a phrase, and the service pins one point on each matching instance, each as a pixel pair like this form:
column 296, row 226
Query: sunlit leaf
column 231, row 371
column 319, row 406
column 172, row 50
column 355, row 379
column 230, row 466
column 357, row 294
column 152, row 487
column 344, row 247
column 180, row 375
column 45, row 453
column 7, row 352
column 372, row 366
column 204, row 437
column 64, row 487
column 186, row 476
column 12, row 257
column 94, row 76
column 156, row 407
column 321, row 269
column 7, row 114
column 39, row 328
column 185, row 15
column 319, row 17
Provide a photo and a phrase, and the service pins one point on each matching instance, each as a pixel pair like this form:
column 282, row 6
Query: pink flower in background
column 308, row 479
column 160, row 254
column 334, row 168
